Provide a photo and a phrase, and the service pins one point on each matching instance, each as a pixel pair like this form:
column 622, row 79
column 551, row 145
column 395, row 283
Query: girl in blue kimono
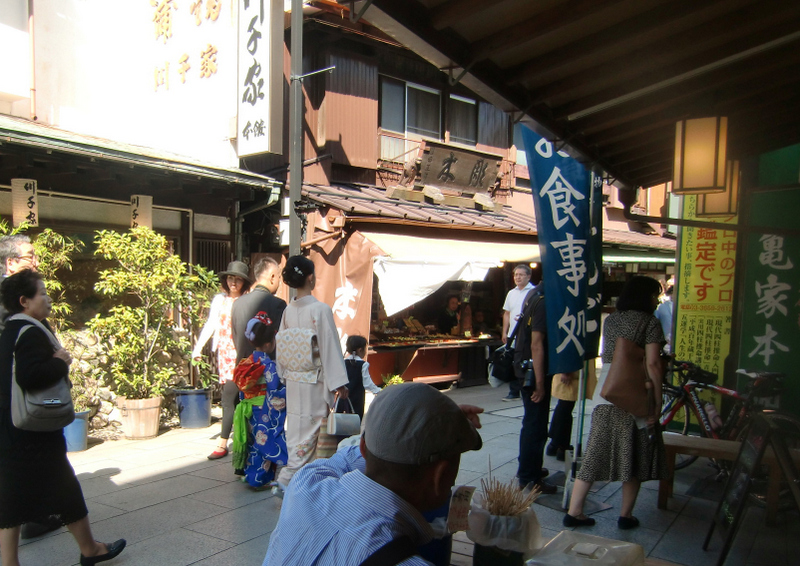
column 259, row 446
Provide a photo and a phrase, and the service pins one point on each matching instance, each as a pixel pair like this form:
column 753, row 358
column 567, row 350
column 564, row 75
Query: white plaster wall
column 95, row 75
column 15, row 65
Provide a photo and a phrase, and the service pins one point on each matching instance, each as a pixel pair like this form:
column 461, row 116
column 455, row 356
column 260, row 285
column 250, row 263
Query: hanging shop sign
column 25, row 201
column 704, row 299
column 562, row 190
column 141, row 211
column 260, row 91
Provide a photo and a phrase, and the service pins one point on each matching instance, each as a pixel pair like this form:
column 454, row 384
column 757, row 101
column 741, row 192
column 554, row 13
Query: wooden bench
column 721, row 450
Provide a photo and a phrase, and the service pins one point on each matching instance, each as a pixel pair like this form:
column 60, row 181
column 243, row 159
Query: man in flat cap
column 364, row 505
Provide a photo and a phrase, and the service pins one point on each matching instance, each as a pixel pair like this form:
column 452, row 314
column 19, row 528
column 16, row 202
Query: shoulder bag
column 40, row 410
column 626, row 383
column 502, row 365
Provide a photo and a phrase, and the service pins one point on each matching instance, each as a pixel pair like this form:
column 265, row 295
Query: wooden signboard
column 466, row 170
column 764, row 431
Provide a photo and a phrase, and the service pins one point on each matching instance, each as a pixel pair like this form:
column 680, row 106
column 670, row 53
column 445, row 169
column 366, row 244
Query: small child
column 358, row 375
column 259, row 441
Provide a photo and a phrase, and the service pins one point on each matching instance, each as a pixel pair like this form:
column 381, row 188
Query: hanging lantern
column 722, row 204
column 700, row 149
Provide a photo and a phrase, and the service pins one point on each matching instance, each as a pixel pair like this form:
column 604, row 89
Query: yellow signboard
column 704, row 299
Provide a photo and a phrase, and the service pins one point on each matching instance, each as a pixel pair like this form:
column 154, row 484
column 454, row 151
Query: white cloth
column 513, row 305
column 211, row 327
column 308, row 403
column 366, row 380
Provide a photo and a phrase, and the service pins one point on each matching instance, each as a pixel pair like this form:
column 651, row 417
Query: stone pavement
column 176, row 508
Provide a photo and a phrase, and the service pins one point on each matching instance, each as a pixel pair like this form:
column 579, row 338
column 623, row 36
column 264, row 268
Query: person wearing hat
column 235, row 282
column 366, row 502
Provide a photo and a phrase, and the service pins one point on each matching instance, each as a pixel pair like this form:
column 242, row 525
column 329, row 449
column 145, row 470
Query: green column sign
column 770, row 340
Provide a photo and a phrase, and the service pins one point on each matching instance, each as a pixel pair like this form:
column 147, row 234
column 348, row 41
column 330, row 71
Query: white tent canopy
column 414, row 267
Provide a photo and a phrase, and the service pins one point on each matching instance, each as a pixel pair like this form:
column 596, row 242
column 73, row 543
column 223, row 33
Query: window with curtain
column 463, row 120
column 423, row 111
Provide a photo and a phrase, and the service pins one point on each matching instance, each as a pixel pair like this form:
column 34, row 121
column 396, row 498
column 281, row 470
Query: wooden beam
column 546, row 22
column 452, row 12
column 681, row 53
column 622, row 39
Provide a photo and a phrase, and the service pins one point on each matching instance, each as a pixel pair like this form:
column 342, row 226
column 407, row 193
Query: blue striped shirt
column 334, row 515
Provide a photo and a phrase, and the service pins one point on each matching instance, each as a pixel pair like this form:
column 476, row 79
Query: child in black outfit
column 358, row 375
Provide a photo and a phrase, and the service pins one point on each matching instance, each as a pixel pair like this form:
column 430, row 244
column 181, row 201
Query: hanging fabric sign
column 561, row 197
column 25, row 201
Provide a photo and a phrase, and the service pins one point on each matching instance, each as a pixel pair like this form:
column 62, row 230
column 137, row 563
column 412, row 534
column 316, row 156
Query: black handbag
column 503, row 363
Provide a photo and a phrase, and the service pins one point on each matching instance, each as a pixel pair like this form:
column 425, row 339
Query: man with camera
column 530, row 367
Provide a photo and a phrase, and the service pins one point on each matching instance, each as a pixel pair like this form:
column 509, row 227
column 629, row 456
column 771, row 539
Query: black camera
column 528, row 379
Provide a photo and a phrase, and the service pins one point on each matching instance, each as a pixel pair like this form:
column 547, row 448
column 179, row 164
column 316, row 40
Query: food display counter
column 432, row 359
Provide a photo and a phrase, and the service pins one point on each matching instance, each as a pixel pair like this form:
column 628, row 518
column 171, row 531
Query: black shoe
column 511, row 397
column 114, row 548
column 626, row 523
column 33, row 530
column 546, row 488
column 545, row 472
column 551, row 449
column 570, row 521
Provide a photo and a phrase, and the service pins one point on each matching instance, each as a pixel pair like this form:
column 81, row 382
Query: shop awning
column 616, row 255
column 414, row 267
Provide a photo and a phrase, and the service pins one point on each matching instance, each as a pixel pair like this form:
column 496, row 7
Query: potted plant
column 142, row 338
column 85, row 375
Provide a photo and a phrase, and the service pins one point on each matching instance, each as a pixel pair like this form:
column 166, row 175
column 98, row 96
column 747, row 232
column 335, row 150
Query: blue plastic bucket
column 194, row 407
column 77, row 432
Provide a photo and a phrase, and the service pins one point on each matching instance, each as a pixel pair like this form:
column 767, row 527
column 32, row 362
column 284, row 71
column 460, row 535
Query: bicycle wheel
column 669, row 399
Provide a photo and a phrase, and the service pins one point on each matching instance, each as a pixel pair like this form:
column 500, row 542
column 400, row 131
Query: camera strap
column 528, row 307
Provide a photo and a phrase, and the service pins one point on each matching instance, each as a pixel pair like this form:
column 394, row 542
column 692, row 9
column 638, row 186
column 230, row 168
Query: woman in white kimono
column 308, row 401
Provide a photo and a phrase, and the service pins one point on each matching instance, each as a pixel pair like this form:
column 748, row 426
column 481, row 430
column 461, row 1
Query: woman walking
column 620, row 447
column 235, row 282
column 309, row 395
column 36, row 478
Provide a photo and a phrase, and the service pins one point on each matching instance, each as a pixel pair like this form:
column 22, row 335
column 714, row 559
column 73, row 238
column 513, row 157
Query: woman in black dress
column 36, row 479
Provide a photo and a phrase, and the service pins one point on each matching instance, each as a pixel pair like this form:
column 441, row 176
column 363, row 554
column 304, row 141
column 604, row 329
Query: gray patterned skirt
column 619, row 451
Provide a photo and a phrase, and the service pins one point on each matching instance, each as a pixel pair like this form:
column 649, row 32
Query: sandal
column 626, row 523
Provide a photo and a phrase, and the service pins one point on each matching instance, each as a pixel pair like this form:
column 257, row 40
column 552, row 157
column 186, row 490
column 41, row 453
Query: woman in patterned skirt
column 619, row 447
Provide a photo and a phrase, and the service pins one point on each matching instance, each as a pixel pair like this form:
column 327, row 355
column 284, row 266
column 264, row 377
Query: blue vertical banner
column 561, row 190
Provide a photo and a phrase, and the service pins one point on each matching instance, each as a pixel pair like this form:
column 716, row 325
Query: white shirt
column 366, row 380
column 513, row 305
column 334, row 515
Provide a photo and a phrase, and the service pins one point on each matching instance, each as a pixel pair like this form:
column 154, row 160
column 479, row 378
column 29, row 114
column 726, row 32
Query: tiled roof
column 637, row 239
column 368, row 202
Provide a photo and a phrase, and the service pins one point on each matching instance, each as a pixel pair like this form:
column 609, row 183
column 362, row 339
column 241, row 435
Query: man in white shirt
column 664, row 315
column 511, row 311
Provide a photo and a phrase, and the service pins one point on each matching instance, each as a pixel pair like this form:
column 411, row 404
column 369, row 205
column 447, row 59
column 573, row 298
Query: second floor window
column 410, row 109
column 462, row 120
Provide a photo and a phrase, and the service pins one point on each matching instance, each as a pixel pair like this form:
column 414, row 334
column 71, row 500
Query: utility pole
column 296, row 125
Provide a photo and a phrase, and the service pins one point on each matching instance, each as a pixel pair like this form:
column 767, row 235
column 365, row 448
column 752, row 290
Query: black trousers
column 533, row 436
column 230, row 398
column 561, row 424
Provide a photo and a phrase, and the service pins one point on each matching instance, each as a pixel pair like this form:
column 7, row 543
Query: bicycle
column 685, row 395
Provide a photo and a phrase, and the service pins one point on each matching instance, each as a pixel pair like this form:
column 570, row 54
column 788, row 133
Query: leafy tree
column 142, row 338
column 55, row 252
